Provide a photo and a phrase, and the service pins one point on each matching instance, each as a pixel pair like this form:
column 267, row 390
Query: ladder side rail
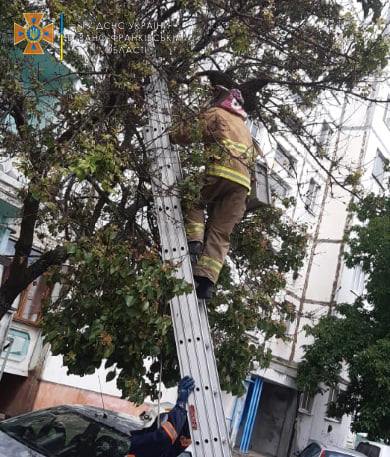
column 169, row 166
column 202, row 305
column 208, row 371
column 186, row 332
column 203, row 313
column 205, row 326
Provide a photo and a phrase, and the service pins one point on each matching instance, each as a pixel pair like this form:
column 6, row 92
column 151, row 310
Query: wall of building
column 324, row 279
column 315, row 425
column 54, row 394
column 54, row 372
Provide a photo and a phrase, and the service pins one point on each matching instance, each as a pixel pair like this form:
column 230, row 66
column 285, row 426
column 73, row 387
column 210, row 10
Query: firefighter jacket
column 170, row 440
column 228, row 143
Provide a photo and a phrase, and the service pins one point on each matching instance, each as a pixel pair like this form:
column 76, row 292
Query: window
column 332, row 398
column 333, row 394
column 357, row 285
column 325, row 134
column 278, row 187
column 311, row 198
column 306, row 402
column 285, row 160
column 386, row 117
column 20, row 345
column 254, row 130
column 31, row 300
column 378, row 171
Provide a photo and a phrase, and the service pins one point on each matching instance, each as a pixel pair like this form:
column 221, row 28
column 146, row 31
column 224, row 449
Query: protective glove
column 185, row 387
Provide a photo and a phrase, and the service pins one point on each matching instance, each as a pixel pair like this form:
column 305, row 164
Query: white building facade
column 357, row 134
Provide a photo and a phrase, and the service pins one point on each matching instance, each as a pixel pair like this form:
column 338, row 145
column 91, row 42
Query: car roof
column 331, row 447
column 124, row 423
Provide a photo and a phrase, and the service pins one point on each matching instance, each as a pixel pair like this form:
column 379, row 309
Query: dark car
column 317, row 449
column 68, row 431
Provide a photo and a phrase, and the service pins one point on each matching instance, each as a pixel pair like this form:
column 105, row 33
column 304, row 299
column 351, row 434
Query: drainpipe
column 252, row 411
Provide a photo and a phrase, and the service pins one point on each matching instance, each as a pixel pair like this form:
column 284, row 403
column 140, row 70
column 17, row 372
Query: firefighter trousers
column 225, row 203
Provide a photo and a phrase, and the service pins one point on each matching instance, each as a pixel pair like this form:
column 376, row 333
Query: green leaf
column 130, row 300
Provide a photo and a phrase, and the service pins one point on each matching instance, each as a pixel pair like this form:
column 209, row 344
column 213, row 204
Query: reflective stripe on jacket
column 228, row 145
column 165, row 441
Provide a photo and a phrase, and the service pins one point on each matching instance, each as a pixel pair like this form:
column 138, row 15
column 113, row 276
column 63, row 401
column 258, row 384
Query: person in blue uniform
column 173, row 435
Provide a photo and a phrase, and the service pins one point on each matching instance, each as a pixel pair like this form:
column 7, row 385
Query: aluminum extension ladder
column 192, row 332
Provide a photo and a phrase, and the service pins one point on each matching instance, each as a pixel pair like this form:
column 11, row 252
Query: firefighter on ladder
column 230, row 151
column 173, row 435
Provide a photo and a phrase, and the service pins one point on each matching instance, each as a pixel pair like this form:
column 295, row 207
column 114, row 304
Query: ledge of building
column 280, row 371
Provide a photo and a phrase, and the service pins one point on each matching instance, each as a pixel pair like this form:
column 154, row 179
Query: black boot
column 195, row 249
column 204, row 288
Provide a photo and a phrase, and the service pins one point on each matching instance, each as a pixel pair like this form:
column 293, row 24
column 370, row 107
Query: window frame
column 21, row 300
column 333, row 394
column 289, row 164
column 274, row 178
column 311, row 196
column 325, row 135
column 254, row 130
column 379, row 156
column 386, row 114
column 24, row 295
column 306, row 402
column 358, row 280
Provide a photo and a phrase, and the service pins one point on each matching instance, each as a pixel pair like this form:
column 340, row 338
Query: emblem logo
column 33, row 33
